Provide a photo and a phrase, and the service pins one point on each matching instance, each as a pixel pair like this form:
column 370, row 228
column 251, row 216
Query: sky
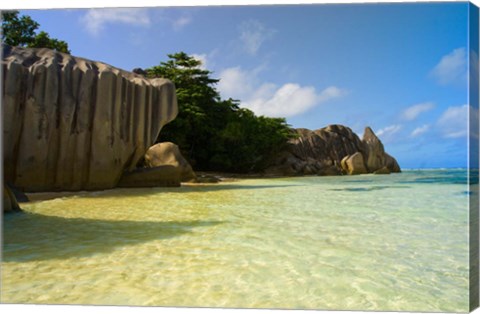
column 399, row 68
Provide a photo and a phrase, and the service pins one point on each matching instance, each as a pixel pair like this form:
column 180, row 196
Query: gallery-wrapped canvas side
column 473, row 153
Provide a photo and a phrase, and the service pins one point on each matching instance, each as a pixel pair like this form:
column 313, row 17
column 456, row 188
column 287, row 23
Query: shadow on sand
column 34, row 237
column 146, row 191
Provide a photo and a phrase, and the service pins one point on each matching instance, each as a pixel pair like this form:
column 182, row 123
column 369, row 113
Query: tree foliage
column 21, row 31
column 43, row 40
column 214, row 133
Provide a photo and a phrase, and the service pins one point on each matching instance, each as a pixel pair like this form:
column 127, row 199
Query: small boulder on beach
column 167, row 153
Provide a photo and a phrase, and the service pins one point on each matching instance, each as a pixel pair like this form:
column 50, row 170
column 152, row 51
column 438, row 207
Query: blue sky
column 398, row 68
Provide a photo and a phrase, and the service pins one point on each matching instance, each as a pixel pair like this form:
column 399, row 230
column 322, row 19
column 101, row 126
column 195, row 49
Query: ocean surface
column 371, row 242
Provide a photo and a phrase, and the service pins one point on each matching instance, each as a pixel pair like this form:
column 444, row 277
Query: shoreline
column 205, row 176
column 229, row 176
column 51, row 195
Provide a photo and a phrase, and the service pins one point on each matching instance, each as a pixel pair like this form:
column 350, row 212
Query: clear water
column 396, row 242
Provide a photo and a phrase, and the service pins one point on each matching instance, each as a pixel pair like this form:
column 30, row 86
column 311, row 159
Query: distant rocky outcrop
column 333, row 150
column 376, row 159
column 73, row 124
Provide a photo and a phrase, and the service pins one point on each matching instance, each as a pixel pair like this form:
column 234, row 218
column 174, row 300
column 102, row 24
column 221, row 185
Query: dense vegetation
column 21, row 31
column 214, row 133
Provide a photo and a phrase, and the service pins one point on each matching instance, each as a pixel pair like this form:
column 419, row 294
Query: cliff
column 73, row 124
column 333, row 150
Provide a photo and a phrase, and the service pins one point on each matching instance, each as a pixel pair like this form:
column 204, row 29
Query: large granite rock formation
column 10, row 203
column 333, row 150
column 72, row 124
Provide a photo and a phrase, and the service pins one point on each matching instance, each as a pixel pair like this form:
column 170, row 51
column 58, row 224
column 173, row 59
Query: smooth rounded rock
column 167, row 153
column 354, row 164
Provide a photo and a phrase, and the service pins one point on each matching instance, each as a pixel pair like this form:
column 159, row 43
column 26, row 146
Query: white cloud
column 454, row 122
column 330, row 93
column 420, row 130
column 389, row 130
column 181, row 22
column 236, row 83
column 268, row 99
column 452, row 68
column 95, row 19
column 291, row 99
column 253, row 34
column 202, row 58
column 412, row 112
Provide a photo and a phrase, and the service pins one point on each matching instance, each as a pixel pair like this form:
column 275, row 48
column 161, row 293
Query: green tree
column 21, row 31
column 43, row 40
column 17, row 31
column 214, row 133
column 195, row 95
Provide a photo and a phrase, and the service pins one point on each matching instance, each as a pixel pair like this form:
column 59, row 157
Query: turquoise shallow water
column 393, row 243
